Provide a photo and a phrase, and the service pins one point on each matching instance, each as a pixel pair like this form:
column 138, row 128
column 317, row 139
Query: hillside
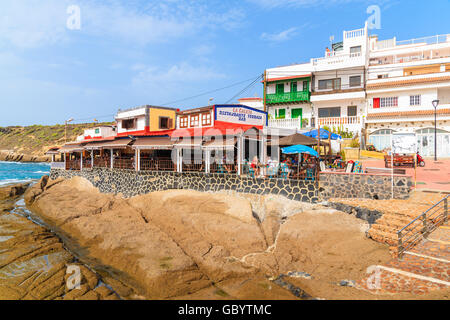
column 37, row 139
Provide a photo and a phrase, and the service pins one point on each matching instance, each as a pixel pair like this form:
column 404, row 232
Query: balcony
column 286, row 123
column 350, row 123
column 339, row 60
column 288, row 97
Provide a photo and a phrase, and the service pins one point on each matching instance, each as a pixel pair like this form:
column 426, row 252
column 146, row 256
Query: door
column 297, row 113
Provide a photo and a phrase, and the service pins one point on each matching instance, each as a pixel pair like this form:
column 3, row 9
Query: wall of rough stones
column 131, row 183
column 367, row 186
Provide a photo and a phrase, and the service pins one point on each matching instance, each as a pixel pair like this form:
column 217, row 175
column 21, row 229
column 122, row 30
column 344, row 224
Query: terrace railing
column 157, row 165
column 102, row 162
column 73, row 164
column 194, row 167
column 57, row 165
column 422, row 226
column 223, row 168
column 124, row 163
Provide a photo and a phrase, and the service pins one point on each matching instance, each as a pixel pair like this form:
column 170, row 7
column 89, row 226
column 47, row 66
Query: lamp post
column 435, row 105
column 65, row 132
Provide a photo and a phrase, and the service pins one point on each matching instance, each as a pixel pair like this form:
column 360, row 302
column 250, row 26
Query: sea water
column 15, row 172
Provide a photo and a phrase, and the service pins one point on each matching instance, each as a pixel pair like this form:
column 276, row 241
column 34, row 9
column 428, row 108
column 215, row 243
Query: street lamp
column 65, row 133
column 210, row 100
column 435, row 105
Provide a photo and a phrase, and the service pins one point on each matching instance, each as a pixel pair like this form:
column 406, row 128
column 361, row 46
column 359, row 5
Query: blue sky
column 130, row 53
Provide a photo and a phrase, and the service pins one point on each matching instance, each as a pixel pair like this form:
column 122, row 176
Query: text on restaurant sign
column 241, row 115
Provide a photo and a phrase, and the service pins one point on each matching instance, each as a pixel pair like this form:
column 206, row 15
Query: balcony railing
column 73, row 164
column 157, row 165
column 339, row 121
column 124, row 163
column 286, row 123
column 193, row 167
column 288, row 97
column 57, row 165
column 104, row 162
column 334, row 58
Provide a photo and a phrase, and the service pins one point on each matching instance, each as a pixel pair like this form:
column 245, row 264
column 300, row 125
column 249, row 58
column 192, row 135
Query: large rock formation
column 186, row 244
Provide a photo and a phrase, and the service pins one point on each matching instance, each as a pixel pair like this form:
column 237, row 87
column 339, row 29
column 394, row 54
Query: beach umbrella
column 300, row 149
column 323, row 134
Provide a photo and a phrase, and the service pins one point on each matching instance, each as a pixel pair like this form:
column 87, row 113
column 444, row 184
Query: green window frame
column 97, row 131
column 296, row 113
column 280, row 88
column 294, row 86
column 280, row 114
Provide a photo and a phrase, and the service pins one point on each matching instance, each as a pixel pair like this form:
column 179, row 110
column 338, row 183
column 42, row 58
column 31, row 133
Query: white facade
column 97, row 133
column 404, row 78
column 255, row 103
column 132, row 120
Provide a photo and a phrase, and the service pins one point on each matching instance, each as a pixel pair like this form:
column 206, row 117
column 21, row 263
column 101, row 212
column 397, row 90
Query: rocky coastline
column 34, row 263
column 178, row 244
column 20, row 157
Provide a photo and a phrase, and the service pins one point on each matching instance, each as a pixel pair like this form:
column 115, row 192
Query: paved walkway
column 434, row 176
column 424, row 268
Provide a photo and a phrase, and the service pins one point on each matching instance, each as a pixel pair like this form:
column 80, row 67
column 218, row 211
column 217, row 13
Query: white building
column 327, row 91
column 404, row 78
column 98, row 133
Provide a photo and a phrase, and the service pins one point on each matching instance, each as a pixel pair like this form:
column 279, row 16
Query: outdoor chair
column 357, row 168
column 273, row 171
column 310, row 174
column 251, row 172
column 284, row 171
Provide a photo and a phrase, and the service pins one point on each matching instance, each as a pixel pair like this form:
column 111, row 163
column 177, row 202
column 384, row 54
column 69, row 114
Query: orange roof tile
column 407, row 113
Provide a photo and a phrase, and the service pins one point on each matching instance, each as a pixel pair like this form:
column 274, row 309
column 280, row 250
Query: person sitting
column 255, row 166
column 288, row 162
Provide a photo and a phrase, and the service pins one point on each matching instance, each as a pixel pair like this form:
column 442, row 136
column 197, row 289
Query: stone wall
column 367, row 186
column 131, row 183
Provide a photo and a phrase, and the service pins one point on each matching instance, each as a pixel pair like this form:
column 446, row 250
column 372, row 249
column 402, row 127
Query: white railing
column 385, row 44
column 440, row 38
column 334, row 58
column 339, row 121
column 355, row 33
column 57, row 165
column 285, row 123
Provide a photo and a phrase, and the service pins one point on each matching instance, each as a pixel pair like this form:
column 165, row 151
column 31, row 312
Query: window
column 305, row 85
column 352, row 111
column 355, row 50
column 330, row 84
column 165, row 123
column 330, row 112
column 195, row 120
column 128, row 124
column 355, row 81
column 280, row 88
column 280, row 114
column 388, row 102
column 382, row 76
column 415, row 100
column 206, row 119
column 293, row 86
column 296, row 113
column 97, row 131
column 184, row 122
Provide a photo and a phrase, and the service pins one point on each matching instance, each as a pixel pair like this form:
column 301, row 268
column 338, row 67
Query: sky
column 85, row 59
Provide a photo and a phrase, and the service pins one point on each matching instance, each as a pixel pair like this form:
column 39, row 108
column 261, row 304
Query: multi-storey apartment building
column 327, row 91
column 404, row 78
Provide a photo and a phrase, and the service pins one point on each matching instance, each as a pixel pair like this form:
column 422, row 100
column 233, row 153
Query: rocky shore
column 34, row 262
column 19, row 157
column 191, row 245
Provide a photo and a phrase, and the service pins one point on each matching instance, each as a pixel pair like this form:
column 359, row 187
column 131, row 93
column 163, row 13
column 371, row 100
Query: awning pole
column 81, row 161
column 112, row 159
column 92, row 159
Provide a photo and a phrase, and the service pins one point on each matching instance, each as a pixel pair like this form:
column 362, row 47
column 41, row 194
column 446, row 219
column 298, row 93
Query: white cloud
column 270, row 4
column 32, row 23
column 281, row 36
column 182, row 73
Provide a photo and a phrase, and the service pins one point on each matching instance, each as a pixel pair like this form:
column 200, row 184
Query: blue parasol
column 300, row 149
column 323, row 134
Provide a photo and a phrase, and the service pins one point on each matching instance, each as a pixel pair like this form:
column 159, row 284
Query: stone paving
column 422, row 269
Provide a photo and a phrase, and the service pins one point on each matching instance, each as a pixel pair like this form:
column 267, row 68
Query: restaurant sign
column 241, row 115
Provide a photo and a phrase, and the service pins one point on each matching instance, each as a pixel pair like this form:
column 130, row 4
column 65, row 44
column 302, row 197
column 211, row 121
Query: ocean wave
column 46, row 172
column 14, row 181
